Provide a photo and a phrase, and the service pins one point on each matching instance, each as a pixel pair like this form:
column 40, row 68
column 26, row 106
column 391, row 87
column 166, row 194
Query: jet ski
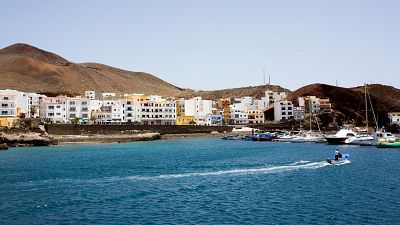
column 342, row 160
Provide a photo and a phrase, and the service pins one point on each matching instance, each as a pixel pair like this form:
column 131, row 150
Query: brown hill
column 349, row 103
column 253, row 91
column 27, row 68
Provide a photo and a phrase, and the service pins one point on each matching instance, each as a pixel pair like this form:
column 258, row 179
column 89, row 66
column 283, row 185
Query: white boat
column 341, row 136
column 284, row 138
column 361, row 139
column 309, row 137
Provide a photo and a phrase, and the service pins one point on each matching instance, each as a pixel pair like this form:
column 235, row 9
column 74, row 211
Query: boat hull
column 336, row 140
column 388, row 145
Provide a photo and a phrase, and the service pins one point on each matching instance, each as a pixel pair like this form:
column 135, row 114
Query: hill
column 349, row 103
column 27, row 68
column 253, row 91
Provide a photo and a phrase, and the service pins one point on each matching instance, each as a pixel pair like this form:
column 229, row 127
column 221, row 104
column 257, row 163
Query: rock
column 27, row 139
column 3, row 146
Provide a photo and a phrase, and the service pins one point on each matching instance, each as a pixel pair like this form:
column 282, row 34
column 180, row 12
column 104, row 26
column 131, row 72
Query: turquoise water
column 198, row 181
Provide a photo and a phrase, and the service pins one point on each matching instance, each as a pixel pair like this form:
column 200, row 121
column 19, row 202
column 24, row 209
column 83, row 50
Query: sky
column 208, row 44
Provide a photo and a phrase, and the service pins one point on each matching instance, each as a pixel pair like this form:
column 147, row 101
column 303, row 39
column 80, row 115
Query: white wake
column 263, row 170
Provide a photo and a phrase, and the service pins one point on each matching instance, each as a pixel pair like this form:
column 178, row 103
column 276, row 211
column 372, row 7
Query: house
column 90, row 95
column 198, row 108
column 224, row 105
column 158, row 111
column 238, row 115
column 54, row 109
column 298, row 113
column 255, row 116
column 394, row 118
column 185, row 120
column 283, row 110
column 214, row 120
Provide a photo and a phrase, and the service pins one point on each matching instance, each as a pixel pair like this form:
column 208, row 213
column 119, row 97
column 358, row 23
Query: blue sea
column 198, row 181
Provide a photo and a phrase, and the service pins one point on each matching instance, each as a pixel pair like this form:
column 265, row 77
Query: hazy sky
column 219, row 44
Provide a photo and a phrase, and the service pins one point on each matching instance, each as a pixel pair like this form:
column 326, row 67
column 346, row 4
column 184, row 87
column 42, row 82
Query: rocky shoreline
column 22, row 139
column 101, row 138
column 25, row 139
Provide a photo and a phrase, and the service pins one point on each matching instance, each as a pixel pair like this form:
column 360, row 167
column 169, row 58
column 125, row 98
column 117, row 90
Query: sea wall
column 71, row 129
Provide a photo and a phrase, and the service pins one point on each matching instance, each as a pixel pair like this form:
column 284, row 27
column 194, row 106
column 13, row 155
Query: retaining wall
column 71, row 129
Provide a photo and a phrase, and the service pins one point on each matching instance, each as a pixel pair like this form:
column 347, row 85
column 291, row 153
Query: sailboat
column 363, row 138
column 309, row 136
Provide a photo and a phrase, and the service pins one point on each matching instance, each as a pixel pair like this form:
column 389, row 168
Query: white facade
column 283, row 110
column 158, row 111
column 298, row 113
column 22, row 106
column 54, row 109
column 238, row 115
column 8, row 105
column 132, row 110
column 255, row 116
column 90, row 95
column 198, row 108
column 78, row 108
column 108, row 95
column 394, row 118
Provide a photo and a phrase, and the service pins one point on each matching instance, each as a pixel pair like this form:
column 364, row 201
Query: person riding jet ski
column 337, row 155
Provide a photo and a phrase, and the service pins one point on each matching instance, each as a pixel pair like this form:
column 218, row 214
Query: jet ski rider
column 337, row 155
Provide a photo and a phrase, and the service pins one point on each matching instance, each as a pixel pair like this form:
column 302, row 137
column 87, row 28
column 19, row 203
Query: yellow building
column 224, row 103
column 7, row 121
column 184, row 120
column 135, row 98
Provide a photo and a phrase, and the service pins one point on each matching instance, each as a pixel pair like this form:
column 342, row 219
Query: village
column 111, row 108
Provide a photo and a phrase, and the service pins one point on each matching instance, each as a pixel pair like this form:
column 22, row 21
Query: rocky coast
column 19, row 139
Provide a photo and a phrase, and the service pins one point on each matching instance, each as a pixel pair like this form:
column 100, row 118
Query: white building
column 21, row 100
column 158, row 111
column 78, row 108
column 394, row 118
column 54, row 109
column 90, row 95
column 198, row 108
column 298, row 113
column 310, row 103
column 283, row 110
column 255, row 116
column 8, row 105
column 238, row 115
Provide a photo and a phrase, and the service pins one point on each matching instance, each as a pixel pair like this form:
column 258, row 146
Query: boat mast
column 366, row 107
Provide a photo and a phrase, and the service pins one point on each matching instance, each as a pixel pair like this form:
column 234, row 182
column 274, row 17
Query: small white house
column 283, row 110
column 394, row 118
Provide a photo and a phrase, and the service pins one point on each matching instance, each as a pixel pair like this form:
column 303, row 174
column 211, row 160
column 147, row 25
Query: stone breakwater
column 102, row 138
column 25, row 139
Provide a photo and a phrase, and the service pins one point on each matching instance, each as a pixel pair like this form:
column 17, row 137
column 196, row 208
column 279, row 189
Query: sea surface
column 198, row 181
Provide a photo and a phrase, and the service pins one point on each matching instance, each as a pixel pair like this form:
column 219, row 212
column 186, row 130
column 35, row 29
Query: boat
column 386, row 144
column 341, row 161
column 341, row 136
column 284, row 138
column 363, row 139
column 264, row 137
column 309, row 137
column 233, row 137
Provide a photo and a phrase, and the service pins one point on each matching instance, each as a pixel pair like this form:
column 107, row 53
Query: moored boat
column 340, row 137
column 386, row 144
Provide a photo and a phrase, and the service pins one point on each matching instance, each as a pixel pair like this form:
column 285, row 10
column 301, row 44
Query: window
column 72, row 109
column 72, row 115
column 50, row 114
column 72, row 103
column 84, row 103
column 84, row 115
column 58, row 114
column 58, row 107
column 51, row 106
column 6, row 98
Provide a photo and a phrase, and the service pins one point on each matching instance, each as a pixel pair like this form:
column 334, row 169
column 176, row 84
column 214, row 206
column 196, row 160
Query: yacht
column 341, row 136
